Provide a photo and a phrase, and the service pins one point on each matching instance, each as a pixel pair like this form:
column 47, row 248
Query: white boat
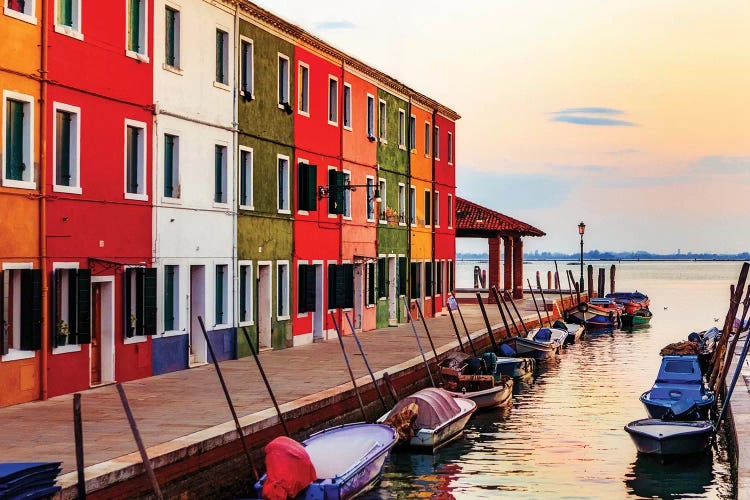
column 499, row 395
column 654, row 436
column 440, row 419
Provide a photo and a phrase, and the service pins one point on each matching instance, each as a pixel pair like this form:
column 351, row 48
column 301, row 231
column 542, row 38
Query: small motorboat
column 679, row 389
column 465, row 376
column 541, row 344
column 348, row 460
column 29, row 480
column 500, row 394
column 514, row 367
column 640, row 317
column 440, row 418
column 596, row 314
column 575, row 331
column 659, row 437
column 631, row 301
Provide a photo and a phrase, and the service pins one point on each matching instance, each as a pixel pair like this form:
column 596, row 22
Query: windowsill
column 171, row 69
column 369, row 306
column 19, row 184
column 66, row 349
column 437, row 226
column 302, row 315
column 67, row 189
column 413, row 224
column 284, row 211
column 247, row 207
column 413, row 151
column 303, row 212
column 450, row 163
column 217, row 204
column 134, row 196
column 136, row 339
column 402, row 147
column 222, row 86
column 348, row 127
column 302, row 112
column 370, row 220
column 171, row 201
column 173, row 333
column 137, row 56
column 66, row 30
column 383, row 141
column 282, row 318
column 221, row 326
column 383, row 299
column 437, row 158
column 245, row 323
column 347, row 217
column 334, row 124
column 333, row 216
column 16, row 354
column 402, row 224
column 383, row 222
column 245, row 95
column 427, row 155
column 281, row 106
column 20, row 16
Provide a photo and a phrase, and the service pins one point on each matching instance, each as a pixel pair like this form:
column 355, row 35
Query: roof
column 476, row 220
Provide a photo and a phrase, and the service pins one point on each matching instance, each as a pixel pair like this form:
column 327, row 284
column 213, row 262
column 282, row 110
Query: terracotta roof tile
column 471, row 216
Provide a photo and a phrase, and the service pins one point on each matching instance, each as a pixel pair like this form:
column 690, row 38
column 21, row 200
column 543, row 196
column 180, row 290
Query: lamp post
column 581, row 230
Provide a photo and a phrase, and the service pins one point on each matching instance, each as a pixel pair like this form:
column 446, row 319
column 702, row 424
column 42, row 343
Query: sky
column 630, row 115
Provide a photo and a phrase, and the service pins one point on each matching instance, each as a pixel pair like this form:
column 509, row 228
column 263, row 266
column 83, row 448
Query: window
column 401, row 129
column 436, row 142
column 426, row 139
column 247, row 68
column 18, row 117
column 412, row 133
column 428, row 279
column 20, row 310
column 340, row 286
column 282, row 290
column 246, row 178
column 370, row 279
column 282, row 182
column 21, row 9
column 307, row 180
column 283, row 82
column 370, row 117
column 171, row 166
column 172, row 37
column 450, row 148
column 66, row 148
column 413, row 206
column 220, row 174
column 382, row 121
column 436, row 209
column 333, row 101
column 451, row 284
column 347, row 211
column 383, row 204
column 402, row 276
column 336, row 191
column 450, row 211
column 303, row 103
column 382, row 279
column 67, row 17
column 171, row 298
column 222, row 57
column 401, row 203
column 71, row 305
column 439, row 277
column 136, row 27
column 415, row 280
column 427, row 211
column 139, row 290
column 221, row 315
column 135, row 157
column 246, row 293
column 370, row 198
column 347, row 106
column 306, row 292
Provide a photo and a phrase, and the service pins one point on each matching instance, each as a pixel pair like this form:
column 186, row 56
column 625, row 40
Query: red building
column 102, row 292
column 444, row 192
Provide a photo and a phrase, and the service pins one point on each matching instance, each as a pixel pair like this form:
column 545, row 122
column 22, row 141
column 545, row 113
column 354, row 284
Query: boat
column 679, row 389
column 541, row 344
column 631, row 301
column 514, row 367
column 597, row 313
column 29, row 480
column 348, row 460
column 640, row 317
column 500, row 394
column 465, row 376
column 440, row 418
column 706, row 342
column 575, row 331
column 659, row 437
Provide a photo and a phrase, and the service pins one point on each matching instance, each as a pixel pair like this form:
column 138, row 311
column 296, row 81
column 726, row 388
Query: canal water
column 563, row 437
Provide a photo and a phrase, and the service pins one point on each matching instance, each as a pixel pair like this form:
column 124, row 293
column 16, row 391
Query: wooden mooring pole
column 78, row 436
column 612, row 270
column 590, row 273
column 348, row 365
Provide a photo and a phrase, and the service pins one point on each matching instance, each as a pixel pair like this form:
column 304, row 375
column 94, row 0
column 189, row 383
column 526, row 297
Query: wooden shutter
column 401, row 276
column 310, row 294
column 331, row 191
column 302, row 286
column 438, row 278
column 303, row 191
column 127, row 306
column 348, row 282
column 382, row 278
column 149, row 301
column 341, row 286
column 14, row 141
column 139, row 304
column 370, row 283
column 332, row 304
column 31, row 309
column 170, row 40
column 414, row 281
column 169, row 298
column 427, row 279
column 82, row 299
column 312, row 188
column 168, row 165
column 4, row 343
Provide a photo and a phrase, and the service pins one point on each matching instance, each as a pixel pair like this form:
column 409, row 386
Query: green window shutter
column 401, row 276
column 310, row 293
column 331, row 191
column 133, row 140
column 149, row 301
column 139, row 302
column 220, row 56
column 31, row 309
column 72, row 302
column 169, row 298
column 332, row 272
column 370, row 283
column 65, row 12
column 312, row 188
column 302, row 192
column 63, row 148
column 302, row 288
column 243, row 293
column 382, row 279
column 243, row 177
column 427, row 279
column 127, row 284
column 169, row 41
column 414, row 281
column 306, row 187
column 14, row 140
column 439, row 278
column 219, row 294
column 218, row 174
column 82, row 299
column 134, row 38
column 4, row 341
column 336, row 184
column 169, row 166
column 347, row 286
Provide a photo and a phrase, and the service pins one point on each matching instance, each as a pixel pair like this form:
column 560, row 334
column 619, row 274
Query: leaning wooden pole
column 559, row 289
column 733, row 345
column 466, row 329
column 348, row 366
column 546, row 311
column 228, row 398
column 367, row 363
column 78, row 436
column 419, row 342
column 531, row 291
column 520, row 319
column 507, row 309
column 736, row 298
column 570, row 288
column 487, row 323
column 427, row 331
column 451, row 305
column 139, row 442
column 494, row 293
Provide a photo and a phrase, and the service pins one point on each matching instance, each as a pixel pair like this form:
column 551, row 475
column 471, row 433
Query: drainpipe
column 408, row 223
column 235, row 154
column 43, row 202
column 434, row 215
column 341, row 218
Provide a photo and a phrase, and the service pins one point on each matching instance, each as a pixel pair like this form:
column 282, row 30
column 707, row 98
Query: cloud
column 726, row 165
column 587, row 169
column 624, row 152
column 334, row 25
column 594, row 116
column 591, row 111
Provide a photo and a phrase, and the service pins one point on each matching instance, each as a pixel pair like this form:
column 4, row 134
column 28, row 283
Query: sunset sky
column 632, row 115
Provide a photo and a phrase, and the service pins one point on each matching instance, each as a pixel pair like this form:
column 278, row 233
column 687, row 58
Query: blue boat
column 29, row 480
column 348, row 460
column 679, row 390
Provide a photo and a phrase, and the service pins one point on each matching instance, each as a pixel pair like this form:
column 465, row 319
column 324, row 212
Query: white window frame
column 333, row 106
column 383, row 121
column 177, row 298
column 135, row 339
column 347, row 215
column 279, row 81
column 450, row 211
column 450, row 148
column 401, row 129
column 436, row 208
column 63, row 349
column 402, row 208
column 224, row 175
column 413, row 206
column 383, row 188
column 300, row 314
column 29, row 181
column 75, row 146
column 143, row 147
column 28, row 16
column 303, row 105
column 251, row 86
column 285, row 291
column 436, row 141
column 370, row 117
column 280, row 210
column 176, row 198
column 427, row 138
column 249, row 291
column 370, row 198
column 250, row 196
column 74, row 31
column 16, row 354
column 141, row 56
column 413, row 133
column 347, row 107
column 227, row 310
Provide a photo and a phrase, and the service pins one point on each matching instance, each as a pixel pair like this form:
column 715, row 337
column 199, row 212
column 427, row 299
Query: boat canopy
column 436, row 407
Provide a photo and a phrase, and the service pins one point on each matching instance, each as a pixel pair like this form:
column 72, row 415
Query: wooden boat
column 514, row 367
column 348, row 460
column 596, row 314
column 440, row 419
column 678, row 388
column 659, row 437
column 465, row 376
column 631, row 301
column 541, row 344
column 575, row 331
column 638, row 318
column 501, row 394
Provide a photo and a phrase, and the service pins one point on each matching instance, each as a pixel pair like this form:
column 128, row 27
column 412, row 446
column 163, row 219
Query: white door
column 392, row 289
column 264, row 305
column 198, row 348
column 318, row 314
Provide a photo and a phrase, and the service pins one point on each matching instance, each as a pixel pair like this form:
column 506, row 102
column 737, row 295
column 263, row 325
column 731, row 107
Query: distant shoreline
column 567, row 260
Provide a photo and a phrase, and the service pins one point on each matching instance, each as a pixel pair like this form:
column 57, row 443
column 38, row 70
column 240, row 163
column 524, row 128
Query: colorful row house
column 245, row 182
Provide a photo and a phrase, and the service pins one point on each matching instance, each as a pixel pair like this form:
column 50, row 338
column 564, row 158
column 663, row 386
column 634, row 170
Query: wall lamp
column 326, row 191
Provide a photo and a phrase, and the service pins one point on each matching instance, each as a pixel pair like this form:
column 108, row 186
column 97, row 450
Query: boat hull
column 656, row 437
column 500, row 395
column 432, row 439
column 658, row 408
column 514, row 367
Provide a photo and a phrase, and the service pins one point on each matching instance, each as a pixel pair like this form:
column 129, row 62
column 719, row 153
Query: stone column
column 517, row 267
column 494, row 271
column 508, row 265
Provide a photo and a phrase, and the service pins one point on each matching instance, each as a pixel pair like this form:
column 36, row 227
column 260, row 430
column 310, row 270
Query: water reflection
column 672, row 478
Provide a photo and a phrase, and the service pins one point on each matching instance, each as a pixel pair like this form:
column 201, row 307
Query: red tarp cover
column 435, row 407
column 288, row 468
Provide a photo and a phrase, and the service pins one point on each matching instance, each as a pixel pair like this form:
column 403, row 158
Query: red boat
column 631, row 301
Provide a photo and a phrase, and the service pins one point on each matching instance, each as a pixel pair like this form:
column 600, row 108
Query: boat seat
column 337, row 460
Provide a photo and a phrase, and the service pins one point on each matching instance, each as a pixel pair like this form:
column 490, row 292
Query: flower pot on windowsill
column 62, row 340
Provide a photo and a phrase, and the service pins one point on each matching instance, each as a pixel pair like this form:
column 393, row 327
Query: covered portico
column 476, row 221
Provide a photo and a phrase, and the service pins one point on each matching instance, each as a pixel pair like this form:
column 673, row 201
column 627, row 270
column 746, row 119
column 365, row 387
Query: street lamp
column 581, row 230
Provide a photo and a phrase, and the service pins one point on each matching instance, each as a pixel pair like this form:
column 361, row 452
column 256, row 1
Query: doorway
column 197, row 344
column 102, row 347
column 392, row 291
column 264, row 292
column 318, row 313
